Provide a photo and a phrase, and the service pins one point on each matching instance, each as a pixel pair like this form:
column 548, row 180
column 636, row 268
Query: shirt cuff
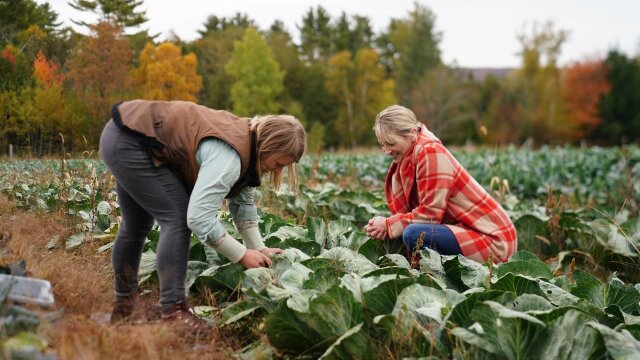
column 252, row 238
column 230, row 248
column 395, row 228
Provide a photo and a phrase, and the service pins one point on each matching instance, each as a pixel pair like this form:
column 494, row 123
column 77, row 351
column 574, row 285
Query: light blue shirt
column 219, row 171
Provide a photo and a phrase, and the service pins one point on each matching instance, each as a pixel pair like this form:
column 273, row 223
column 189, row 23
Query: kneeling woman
column 431, row 196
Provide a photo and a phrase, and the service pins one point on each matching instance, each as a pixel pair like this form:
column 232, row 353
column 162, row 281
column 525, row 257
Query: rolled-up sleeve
column 245, row 216
column 242, row 207
column 219, row 170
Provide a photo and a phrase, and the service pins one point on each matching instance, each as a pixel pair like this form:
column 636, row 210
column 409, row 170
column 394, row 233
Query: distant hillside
column 480, row 73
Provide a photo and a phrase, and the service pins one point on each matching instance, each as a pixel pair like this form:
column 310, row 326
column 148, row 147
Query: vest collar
column 253, row 176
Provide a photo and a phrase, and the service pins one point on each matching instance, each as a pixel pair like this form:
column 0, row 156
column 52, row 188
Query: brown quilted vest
column 173, row 130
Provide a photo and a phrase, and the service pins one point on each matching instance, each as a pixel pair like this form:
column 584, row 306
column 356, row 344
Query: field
column 571, row 292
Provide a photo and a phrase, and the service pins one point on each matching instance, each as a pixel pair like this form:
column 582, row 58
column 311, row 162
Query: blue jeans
column 437, row 237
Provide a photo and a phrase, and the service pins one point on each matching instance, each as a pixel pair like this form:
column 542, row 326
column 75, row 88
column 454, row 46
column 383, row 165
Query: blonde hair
column 394, row 123
column 280, row 135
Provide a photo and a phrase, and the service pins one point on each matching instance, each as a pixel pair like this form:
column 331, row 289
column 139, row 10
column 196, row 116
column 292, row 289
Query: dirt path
column 82, row 285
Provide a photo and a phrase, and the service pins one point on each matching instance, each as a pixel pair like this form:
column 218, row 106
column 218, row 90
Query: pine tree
column 122, row 13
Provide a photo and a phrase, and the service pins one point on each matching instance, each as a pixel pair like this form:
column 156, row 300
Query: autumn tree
column 97, row 70
column 582, row 86
column 363, row 90
column 14, row 69
column 28, row 27
column 539, row 83
column 443, row 100
column 257, row 76
column 124, row 14
column 14, row 127
column 165, row 74
column 498, row 111
column 16, row 56
column 25, row 27
column 49, row 111
column 46, row 72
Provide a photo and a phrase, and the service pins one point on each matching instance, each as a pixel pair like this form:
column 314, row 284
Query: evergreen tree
column 315, row 35
column 413, row 50
column 214, row 50
column 351, row 35
column 121, row 13
column 287, row 55
column 18, row 15
column 320, row 106
column 25, row 28
column 620, row 107
column 216, row 24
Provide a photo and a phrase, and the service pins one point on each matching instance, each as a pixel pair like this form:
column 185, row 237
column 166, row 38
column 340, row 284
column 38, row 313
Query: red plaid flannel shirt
column 447, row 194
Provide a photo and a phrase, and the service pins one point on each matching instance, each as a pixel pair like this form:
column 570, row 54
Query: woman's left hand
column 271, row 251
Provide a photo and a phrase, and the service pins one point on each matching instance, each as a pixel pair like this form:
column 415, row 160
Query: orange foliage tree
column 45, row 71
column 583, row 85
column 97, row 72
column 164, row 74
column 46, row 109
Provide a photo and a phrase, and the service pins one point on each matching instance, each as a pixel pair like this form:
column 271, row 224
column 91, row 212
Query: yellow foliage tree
column 361, row 85
column 165, row 74
column 539, row 82
column 257, row 76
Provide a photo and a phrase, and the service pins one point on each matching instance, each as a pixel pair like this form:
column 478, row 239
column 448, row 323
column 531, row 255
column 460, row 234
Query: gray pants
column 146, row 192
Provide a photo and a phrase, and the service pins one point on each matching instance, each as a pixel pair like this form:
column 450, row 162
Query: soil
column 82, row 283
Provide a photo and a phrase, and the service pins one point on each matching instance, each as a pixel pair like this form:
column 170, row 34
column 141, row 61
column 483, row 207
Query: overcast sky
column 475, row 33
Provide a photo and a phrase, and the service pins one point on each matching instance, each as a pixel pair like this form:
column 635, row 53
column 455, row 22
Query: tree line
column 57, row 85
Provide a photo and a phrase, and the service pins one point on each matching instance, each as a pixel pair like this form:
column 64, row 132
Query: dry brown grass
column 82, row 285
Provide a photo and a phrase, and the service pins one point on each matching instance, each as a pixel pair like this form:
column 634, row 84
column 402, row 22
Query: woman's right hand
column 254, row 259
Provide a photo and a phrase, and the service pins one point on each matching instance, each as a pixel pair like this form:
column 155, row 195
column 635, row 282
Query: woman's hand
column 254, row 259
column 271, row 251
column 377, row 228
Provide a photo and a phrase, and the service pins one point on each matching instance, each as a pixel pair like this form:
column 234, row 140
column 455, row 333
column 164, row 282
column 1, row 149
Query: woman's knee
column 136, row 231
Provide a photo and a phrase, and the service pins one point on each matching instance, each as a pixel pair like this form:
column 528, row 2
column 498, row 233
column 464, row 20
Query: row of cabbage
column 349, row 187
column 336, row 294
column 605, row 178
